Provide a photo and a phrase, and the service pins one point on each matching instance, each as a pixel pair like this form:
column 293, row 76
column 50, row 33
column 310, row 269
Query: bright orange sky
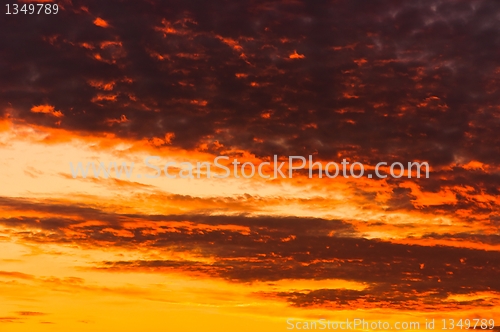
column 187, row 82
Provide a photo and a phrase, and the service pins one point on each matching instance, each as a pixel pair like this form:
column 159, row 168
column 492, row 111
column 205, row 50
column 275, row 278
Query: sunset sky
column 187, row 81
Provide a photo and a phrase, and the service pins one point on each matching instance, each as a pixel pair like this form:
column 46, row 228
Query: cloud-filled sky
column 365, row 81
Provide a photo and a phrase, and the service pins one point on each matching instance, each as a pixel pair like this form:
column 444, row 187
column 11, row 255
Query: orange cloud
column 296, row 55
column 102, row 85
column 122, row 119
column 47, row 109
column 101, row 23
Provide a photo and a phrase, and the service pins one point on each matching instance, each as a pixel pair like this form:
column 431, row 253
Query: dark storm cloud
column 367, row 261
column 492, row 239
column 268, row 249
column 377, row 298
column 378, row 79
column 396, row 276
column 55, row 219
